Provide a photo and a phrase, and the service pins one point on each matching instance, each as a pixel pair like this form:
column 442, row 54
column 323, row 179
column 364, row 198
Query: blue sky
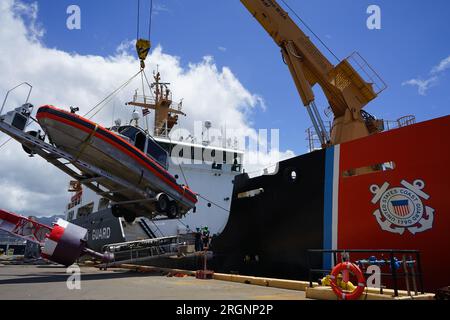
column 413, row 39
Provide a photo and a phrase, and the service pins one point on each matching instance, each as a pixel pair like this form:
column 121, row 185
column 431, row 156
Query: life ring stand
column 356, row 294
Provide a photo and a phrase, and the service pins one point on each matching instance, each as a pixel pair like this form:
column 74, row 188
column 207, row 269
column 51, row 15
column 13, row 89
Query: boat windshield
column 129, row 132
column 151, row 148
column 157, row 152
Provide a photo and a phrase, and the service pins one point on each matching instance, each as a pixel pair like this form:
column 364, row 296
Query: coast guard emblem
column 402, row 208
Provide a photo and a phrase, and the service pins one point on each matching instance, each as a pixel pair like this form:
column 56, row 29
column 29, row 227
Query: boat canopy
column 146, row 143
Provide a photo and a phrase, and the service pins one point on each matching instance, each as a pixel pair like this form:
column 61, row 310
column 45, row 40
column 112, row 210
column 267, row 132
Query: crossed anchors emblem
column 402, row 208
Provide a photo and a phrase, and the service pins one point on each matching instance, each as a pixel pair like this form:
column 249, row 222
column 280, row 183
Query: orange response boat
column 127, row 152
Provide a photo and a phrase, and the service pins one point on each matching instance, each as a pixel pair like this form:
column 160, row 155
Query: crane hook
column 142, row 48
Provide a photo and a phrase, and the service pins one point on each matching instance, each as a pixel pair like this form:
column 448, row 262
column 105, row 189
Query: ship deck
column 48, row 282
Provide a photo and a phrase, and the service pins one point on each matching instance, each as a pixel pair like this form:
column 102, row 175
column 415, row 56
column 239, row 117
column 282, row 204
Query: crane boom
column 346, row 91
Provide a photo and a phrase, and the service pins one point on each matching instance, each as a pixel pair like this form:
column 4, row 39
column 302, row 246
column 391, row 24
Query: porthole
column 291, row 175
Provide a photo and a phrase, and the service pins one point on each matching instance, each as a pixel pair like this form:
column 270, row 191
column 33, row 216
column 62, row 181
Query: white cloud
column 125, row 47
column 424, row 85
column 32, row 186
column 158, row 8
column 442, row 66
column 29, row 12
column 223, row 49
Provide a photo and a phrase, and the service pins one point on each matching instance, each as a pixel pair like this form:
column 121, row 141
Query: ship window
column 237, row 163
column 294, row 175
column 197, row 154
column 230, row 158
column 86, row 210
column 103, row 204
column 70, row 215
column 140, row 141
column 291, row 175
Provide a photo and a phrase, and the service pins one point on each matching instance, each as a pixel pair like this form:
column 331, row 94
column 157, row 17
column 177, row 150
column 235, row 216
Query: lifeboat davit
column 127, row 152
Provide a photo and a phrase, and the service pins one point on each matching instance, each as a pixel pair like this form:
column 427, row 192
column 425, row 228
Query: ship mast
column 166, row 117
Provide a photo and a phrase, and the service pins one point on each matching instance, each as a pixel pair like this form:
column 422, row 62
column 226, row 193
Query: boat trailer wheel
column 35, row 134
column 116, row 212
column 129, row 216
column 162, row 203
column 173, row 210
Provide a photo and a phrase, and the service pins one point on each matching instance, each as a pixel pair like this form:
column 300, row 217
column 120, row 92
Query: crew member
column 206, row 237
column 198, row 240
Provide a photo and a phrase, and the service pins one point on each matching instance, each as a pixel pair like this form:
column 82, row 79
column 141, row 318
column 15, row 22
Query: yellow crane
column 345, row 89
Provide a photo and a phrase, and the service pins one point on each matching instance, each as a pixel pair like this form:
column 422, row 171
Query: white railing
column 315, row 144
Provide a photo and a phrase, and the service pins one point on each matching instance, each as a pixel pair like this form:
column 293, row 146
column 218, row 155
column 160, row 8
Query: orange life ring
column 359, row 275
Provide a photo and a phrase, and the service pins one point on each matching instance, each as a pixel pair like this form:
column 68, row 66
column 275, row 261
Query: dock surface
column 50, row 283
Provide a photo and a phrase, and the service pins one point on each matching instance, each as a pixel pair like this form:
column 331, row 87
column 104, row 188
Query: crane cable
column 139, row 17
column 105, row 102
column 150, row 21
column 143, row 45
column 5, row 143
column 310, row 30
column 110, row 96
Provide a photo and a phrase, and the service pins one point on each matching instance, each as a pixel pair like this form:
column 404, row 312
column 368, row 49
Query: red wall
column 420, row 151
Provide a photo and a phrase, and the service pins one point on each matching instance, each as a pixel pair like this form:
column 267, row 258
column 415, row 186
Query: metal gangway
column 141, row 251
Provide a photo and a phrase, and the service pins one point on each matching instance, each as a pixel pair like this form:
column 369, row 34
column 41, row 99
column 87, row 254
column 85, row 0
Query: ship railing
column 151, row 100
column 367, row 73
column 117, row 247
column 408, row 267
column 314, row 142
column 144, row 99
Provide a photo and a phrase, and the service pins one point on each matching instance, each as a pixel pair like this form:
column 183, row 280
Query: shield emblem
column 401, row 207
